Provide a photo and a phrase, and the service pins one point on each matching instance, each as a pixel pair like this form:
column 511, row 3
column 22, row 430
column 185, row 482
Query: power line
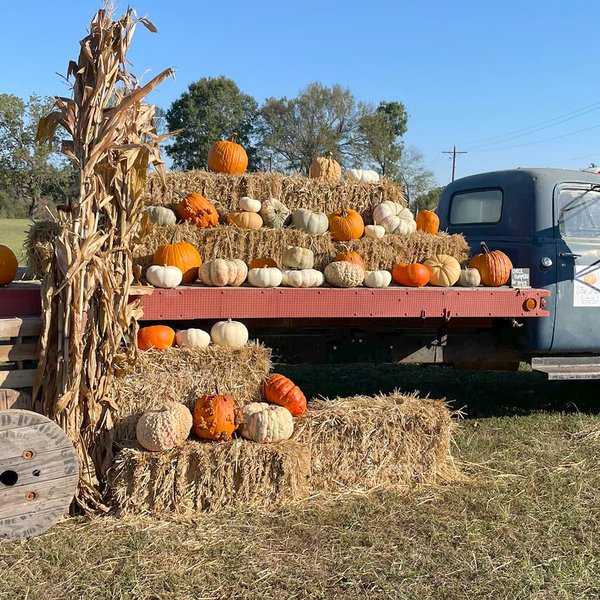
column 454, row 152
column 568, row 160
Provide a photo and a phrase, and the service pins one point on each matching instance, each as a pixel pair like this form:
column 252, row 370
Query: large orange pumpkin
column 8, row 265
column 346, row 224
column 413, row 275
column 428, row 222
column 260, row 263
column 181, row 255
column 227, row 156
column 196, row 209
column 353, row 257
column 280, row 390
column 214, row 417
column 155, row 336
column 493, row 265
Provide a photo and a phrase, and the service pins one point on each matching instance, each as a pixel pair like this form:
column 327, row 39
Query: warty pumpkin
column 245, row 220
column 266, row 423
column 428, row 222
column 310, row 221
column 274, row 213
column 325, row 167
column 181, row 255
column 163, row 276
column 345, row 225
column 158, row 337
column 295, row 257
column 221, row 272
column 493, row 265
column 164, row 428
column 344, row 274
column 8, row 265
column 411, row 275
column 231, row 334
column 444, row 270
column 196, row 209
column 215, row 417
column 280, row 390
column 352, row 257
column 227, row 156
column 265, row 277
column 394, row 218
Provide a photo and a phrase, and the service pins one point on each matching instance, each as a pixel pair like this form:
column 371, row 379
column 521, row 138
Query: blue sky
column 469, row 72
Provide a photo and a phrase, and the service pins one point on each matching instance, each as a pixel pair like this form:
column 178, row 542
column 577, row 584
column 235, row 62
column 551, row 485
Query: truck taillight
column 543, row 303
column 530, row 304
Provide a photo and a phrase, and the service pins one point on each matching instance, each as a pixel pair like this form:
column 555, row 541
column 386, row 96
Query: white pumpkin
column 296, row 257
column 377, row 279
column 163, row 276
column 266, row 423
column 362, row 175
column 303, row 278
column 315, row 223
column 192, row 338
column 394, row 218
column 221, row 272
column 374, row 231
column 275, row 214
column 469, row 278
column 250, row 204
column 161, row 215
column 231, row 334
column 265, row 277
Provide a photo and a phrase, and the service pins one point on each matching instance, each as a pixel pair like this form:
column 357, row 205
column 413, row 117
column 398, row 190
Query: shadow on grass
column 478, row 393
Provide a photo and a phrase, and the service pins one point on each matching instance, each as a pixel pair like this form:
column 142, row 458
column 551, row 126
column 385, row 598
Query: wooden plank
column 28, row 326
column 17, row 379
column 28, row 525
column 43, row 466
column 15, row 399
column 18, row 352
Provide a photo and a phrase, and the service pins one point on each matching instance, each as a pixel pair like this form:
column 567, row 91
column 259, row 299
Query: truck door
column 577, row 232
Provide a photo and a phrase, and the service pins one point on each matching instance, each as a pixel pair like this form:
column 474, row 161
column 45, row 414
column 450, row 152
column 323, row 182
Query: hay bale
column 295, row 191
column 39, row 246
column 182, row 375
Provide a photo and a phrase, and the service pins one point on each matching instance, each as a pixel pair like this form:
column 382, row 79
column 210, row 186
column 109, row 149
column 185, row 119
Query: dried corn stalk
column 85, row 309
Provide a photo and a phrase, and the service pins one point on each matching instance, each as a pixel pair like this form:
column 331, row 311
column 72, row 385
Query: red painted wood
column 20, row 300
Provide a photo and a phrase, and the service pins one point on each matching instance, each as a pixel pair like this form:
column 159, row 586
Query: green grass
column 12, row 234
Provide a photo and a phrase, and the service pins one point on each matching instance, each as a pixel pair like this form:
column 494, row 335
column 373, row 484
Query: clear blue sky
column 466, row 70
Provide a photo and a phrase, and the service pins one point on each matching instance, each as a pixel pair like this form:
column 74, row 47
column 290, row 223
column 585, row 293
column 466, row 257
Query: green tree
column 320, row 119
column 429, row 200
column 210, row 110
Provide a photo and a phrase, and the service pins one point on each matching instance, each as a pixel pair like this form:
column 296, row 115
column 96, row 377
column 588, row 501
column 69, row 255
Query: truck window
column 477, row 207
column 579, row 212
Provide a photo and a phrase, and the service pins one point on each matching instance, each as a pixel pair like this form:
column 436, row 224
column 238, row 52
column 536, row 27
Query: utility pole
column 454, row 152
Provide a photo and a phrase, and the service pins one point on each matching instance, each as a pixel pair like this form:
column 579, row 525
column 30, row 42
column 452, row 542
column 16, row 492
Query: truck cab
column 547, row 220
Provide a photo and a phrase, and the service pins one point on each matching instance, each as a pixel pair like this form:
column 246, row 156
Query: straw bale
column 295, row 191
column 182, row 375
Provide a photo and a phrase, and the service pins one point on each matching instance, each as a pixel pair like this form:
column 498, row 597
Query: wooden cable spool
column 39, row 471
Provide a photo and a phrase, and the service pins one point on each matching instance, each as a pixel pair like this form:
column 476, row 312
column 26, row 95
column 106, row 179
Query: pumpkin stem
column 343, row 212
column 233, row 138
column 484, row 247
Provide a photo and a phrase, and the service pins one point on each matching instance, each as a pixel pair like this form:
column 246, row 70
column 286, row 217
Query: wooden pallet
column 18, row 361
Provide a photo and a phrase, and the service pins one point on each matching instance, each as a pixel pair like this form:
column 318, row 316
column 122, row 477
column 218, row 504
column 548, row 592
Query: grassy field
column 526, row 523
column 12, row 234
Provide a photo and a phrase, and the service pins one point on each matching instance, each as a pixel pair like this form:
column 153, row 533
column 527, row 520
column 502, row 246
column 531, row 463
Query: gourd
column 280, row 390
column 493, row 265
column 231, row 334
column 158, row 337
column 325, row 167
column 411, row 275
column 227, row 156
column 469, row 278
column 257, row 263
column 296, row 257
column 181, row 255
column 266, row 423
column 344, row 274
column 274, row 213
column 374, row 231
column 161, row 215
column 221, row 272
column 362, row 175
column 312, row 222
column 377, row 279
column 265, row 277
column 196, row 209
column 215, row 417
column 394, row 218
column 428, row 222
column 8, row 265
column 164, row 428
column 352, row 257
column 250, row 204
column 346, row 224
column 444, row 270
column 303, row 278
column 192, row 338
column 163, row 276
column 245, row 220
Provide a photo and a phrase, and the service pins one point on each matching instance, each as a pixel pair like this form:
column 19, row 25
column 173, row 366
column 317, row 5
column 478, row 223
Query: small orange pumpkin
column 260, row 263
column 8, row 265
column 227, row 156
column 353, row 257
column 196, row 209
column 214, row 417
column 413, row 275
column 493, row 265
column 158, row 337
column 245, row 220
column 181, row 255
column 280, row 390
column 346, row 224
column 428, row 222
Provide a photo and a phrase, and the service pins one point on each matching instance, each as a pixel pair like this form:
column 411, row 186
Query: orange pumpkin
column 353, row 257
column 413, row 275
column 346, row 224
column 493, row 265
column 8, row 265
column 155, row 336
column 245, row 220
column 428, row 222
column 280, row 390
column 196, row 209
column 260, row 263
column 181, row 255
column 214, row 417
column 227, row 156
